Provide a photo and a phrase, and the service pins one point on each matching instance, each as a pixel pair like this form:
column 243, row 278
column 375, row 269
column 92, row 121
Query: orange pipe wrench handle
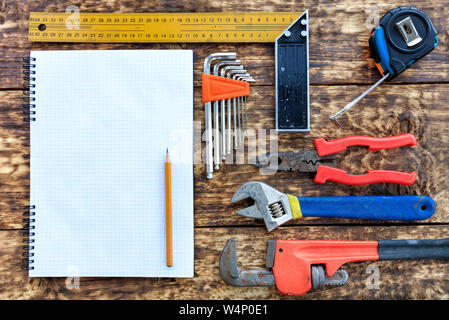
column 294, row 258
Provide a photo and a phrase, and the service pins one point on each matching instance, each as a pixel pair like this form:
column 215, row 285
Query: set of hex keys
column 225, row 85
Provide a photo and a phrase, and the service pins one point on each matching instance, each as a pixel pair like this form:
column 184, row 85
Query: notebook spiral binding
column 29, row 78
column 29, row 109
column 28, row 238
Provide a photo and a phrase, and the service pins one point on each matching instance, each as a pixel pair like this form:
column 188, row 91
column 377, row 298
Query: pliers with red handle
column 322, row 160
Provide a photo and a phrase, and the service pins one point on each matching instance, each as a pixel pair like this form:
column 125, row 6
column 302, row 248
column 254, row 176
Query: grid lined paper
column 104, row 120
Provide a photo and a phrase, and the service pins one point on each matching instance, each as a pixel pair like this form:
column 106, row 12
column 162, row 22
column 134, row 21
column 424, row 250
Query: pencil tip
column 167, row 157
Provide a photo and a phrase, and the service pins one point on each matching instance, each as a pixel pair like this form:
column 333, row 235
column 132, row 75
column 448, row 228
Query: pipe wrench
column 322, row 160
column 276, row 208
column 297, row 266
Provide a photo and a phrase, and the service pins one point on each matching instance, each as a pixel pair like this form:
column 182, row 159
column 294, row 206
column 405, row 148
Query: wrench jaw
column 269, row 204
column 231, row 273
column 320, row 280
column 301, row 161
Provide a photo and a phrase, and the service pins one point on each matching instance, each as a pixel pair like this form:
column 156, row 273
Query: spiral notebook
column 100, row 124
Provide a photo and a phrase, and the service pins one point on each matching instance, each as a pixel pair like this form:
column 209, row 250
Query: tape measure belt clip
column 404, row 35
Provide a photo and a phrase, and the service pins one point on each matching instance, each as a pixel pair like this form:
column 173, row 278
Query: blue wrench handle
column 369, row 207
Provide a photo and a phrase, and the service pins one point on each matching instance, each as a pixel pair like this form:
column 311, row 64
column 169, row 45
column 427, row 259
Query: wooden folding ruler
column 159, row 27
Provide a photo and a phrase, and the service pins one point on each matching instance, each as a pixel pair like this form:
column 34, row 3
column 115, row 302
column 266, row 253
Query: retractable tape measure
column 159, row 27
column 404, row 36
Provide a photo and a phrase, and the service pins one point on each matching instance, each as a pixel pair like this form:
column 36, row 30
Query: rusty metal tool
column 277, row 208
column 297, row 266
column 322, row 160
column 208, row 109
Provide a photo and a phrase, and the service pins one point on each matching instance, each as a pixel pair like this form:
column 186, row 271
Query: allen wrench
column 208, row 110
column 226, row 116
column 247, row 78
column 237, row 70
column 237, row 117
column 219, row 134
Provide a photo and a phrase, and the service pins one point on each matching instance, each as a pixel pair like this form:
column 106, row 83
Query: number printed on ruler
column 159, row 27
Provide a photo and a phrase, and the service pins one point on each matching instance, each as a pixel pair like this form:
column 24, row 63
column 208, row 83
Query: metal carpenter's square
column 185, row 27
column 292, row 77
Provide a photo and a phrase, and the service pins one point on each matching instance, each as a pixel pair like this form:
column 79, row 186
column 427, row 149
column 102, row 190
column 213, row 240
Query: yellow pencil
column 168, row 213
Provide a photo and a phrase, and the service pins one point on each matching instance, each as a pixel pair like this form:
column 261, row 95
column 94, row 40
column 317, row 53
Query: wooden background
column 340, row 69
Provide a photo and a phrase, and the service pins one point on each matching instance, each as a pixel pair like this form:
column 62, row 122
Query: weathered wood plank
column 425, row 279
column 338, row 56
column 338, row 46
column 390, row 110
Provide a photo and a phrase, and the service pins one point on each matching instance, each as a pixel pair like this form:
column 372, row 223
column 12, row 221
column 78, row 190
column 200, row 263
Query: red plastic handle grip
column 325, row 173
column 324, row 147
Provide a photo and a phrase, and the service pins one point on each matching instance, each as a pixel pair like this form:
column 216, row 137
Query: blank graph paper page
column 104, row 120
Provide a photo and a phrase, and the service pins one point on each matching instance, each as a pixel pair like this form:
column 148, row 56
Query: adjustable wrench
column 297, row 266
column 277, row 208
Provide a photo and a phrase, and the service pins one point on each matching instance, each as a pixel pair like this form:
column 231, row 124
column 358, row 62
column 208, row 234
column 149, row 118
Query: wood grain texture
column 340, row 69
column 387, row 111
column 420, row 279
column 338, row 35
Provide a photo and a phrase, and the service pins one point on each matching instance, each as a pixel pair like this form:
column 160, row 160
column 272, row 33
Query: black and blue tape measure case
column 404, row 36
